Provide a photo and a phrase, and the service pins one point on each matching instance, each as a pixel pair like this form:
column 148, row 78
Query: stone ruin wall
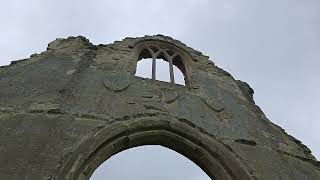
column 57, row 107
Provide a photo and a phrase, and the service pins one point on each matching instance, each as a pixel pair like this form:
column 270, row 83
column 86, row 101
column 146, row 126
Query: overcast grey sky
column 274, row 45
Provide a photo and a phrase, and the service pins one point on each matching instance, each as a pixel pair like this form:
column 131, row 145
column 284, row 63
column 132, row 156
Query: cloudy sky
column 274, row 45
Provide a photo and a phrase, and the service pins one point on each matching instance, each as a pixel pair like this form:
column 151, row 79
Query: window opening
column 144, row 68
column 162, row 70
column 161, row 64
column 178, row 76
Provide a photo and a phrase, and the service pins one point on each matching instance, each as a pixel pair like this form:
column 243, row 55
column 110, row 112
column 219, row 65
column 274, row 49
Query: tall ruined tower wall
column 66, row 110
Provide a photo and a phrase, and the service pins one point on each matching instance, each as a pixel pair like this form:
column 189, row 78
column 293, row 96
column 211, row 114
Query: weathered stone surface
column 169, row 96
column 117, row 81
column 66, row 110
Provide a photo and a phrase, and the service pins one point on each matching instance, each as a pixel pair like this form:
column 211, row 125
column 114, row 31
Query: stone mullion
column 154, row 56
column 171, row 70
column 153, row 68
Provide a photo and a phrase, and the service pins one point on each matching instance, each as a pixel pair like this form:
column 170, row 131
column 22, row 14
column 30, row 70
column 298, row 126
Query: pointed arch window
column 161, row 64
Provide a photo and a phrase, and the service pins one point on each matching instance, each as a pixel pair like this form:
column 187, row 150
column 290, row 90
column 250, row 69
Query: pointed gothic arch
column 148, row 162
column 217, row 161
column 173, row 55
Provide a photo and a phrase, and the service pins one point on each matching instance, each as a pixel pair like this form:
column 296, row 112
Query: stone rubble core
column 65, row 111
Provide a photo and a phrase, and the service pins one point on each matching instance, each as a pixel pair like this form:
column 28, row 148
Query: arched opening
column 162, row 70
column 144, row 68
column 180, row 71
column 161, row 64
column 149, row 162
column 217, row 161
column 178, row 75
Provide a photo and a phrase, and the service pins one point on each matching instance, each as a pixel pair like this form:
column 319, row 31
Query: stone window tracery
column 176, row 67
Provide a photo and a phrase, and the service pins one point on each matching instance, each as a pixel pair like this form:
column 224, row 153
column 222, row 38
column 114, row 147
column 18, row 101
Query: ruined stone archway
column 149, row 162
column 215, row 160
column 65, row 111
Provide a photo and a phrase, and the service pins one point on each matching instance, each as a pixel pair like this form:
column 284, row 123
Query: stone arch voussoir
column 210, row 155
